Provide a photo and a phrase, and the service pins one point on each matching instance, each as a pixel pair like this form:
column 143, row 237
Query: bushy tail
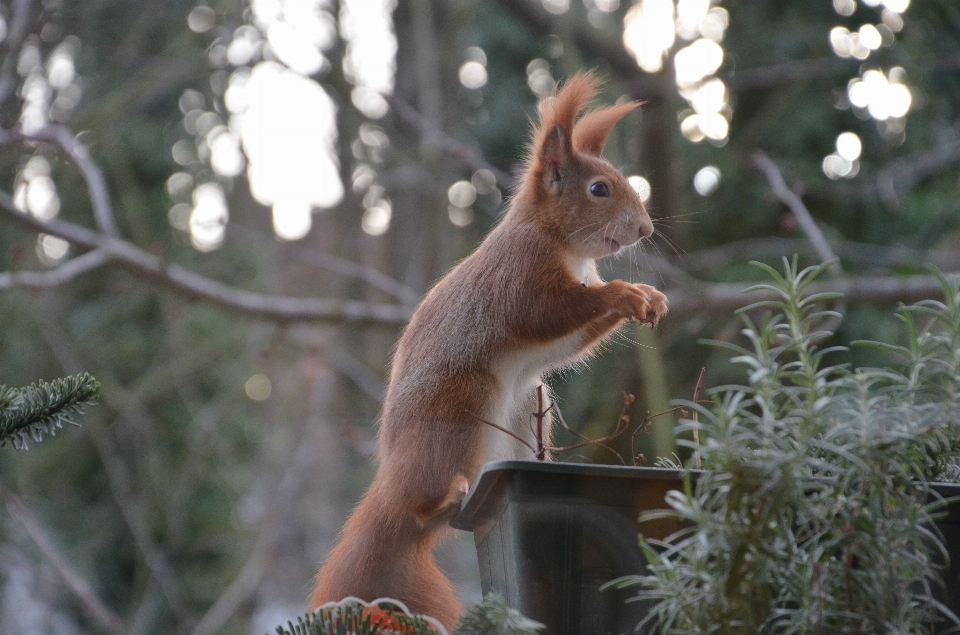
column 386, row 550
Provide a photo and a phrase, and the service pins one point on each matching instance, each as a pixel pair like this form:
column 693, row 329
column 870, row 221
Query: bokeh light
column 369, row 63
column 51, row 249
column 288, row 131
column 706, row 180
column 649, row 32
column 883, row 96
column 208, row 218
column 280, row 124
column 650, row 27
column 462, row 194
column 35, row 191
column 540, row 79
column 473, row 74
column 376, row 219
column 697, row 61
column 258, row 387
column 556, row 7
column 849, row 146
column 641, row 185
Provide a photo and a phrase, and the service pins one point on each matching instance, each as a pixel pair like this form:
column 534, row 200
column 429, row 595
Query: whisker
column 672, row 221
column 571, row 234
column 673, row 245
column 656, row 271
column 676, row 216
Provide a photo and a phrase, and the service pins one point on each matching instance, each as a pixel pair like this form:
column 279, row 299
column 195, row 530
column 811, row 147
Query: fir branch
column 28, row 413
column 355, row 619
column 494, row 617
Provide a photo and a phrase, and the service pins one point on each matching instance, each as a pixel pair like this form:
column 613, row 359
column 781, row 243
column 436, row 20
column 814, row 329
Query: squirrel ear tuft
column 554, row 158
column 591, row 131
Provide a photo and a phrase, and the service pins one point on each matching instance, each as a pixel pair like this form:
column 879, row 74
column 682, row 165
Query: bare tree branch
column 18, row 31
column 775, row 75
column 81, row 588
column 128, row 501
column 789, row 198
column 342, row 266
column 719, row 298
column 78, row 155
column 92, row 175
column 873, row 257
column 456, row 149
column 193, row 285
column 902, row 174
column 55, row 277
column 706, row 298
column 283, row 489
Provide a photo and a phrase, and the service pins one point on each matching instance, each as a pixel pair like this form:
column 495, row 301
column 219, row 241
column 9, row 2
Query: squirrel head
column 573, row 192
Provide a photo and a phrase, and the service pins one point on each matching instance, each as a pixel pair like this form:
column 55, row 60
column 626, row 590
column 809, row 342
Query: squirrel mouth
column 611, row 244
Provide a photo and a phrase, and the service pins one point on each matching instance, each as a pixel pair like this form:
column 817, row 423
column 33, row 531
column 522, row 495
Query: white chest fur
column 518, row 374
column 583, row 269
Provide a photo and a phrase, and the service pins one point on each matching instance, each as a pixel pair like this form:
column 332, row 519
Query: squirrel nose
column 646, row 228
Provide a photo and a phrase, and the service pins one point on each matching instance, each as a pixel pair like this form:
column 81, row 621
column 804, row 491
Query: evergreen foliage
column 349, row 618
column 814, row 512
column 494, row 617
column 28, row 413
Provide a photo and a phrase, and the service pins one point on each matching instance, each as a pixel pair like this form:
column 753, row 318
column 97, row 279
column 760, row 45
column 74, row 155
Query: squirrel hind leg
column 431, row 593
column 438, row 515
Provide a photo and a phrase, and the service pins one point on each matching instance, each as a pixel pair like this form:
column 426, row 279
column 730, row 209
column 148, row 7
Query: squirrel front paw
column 639, row 302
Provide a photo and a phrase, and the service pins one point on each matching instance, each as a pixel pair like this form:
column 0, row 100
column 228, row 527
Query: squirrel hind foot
column 448, row 507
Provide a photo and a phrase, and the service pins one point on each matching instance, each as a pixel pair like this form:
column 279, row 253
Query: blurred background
column 226, row 211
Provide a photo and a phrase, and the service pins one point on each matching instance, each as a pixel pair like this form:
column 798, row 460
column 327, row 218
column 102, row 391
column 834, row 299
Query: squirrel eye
column 600, row 189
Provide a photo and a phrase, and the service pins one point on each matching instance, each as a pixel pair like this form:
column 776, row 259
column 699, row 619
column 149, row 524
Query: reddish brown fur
column 527, row 301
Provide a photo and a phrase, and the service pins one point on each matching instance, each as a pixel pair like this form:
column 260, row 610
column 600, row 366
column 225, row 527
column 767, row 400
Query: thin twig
column 623, row 423
column 645, row 427
column 92, row 175
column 81, row 588
column 55, row 277
column 502, row 429
column 450, row 146
column 696, row 431
column 539, row 416
column 789, row 198
column 282, row 491
column 133, row 514
column 809, row 226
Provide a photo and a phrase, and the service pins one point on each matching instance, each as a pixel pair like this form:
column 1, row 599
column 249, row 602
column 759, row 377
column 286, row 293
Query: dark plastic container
column 949, row 526
column 549, row 535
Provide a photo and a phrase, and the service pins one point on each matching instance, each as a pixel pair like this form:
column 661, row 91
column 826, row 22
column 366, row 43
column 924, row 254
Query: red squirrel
column 526, row 302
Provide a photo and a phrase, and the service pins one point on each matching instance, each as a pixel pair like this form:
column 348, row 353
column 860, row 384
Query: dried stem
column 539, row 415
column 502, row 429
column 696, row 431
column 622, row 424
column 645, row 427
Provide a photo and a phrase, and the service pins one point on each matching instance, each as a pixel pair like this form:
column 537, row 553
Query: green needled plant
column 28, row 413
column 814, row 511
column 492, row 616
column 349, row 618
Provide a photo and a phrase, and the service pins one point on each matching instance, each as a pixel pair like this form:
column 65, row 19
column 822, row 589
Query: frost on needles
column 42, row 408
